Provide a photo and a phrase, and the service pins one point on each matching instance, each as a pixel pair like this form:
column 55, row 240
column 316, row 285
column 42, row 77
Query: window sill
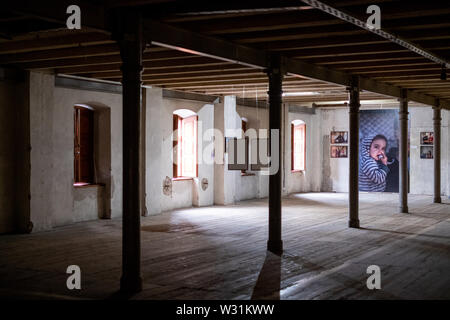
column 294, row 171
column 87, row 185
column 247, row 174
column 182, row 178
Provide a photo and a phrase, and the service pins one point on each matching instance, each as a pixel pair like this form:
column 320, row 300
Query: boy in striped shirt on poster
column 373, row 164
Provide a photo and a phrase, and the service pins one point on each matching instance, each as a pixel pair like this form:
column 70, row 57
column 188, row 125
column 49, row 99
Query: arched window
column 298, row 143
column 185, row 146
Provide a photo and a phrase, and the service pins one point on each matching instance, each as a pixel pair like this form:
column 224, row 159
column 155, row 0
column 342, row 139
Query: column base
column 275, row 247
column 403, row 210
column 437, row 200
column 353, row 223
column 130, row 285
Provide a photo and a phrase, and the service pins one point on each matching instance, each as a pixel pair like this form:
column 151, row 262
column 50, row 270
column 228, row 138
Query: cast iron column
column 353, row 192
column 130, row 43
column 275, row 74
column 437, row 152
column 403, row 118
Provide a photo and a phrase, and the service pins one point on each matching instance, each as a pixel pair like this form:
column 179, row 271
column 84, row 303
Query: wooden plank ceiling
column 291, row 28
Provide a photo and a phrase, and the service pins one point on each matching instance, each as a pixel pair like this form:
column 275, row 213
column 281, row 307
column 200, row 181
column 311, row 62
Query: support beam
column 387, row 35
column 180, row 39
column 94, row 18
column 129, row 38
column 403, row 118
column 353, row 192
column 275, row 74
column 437, row 153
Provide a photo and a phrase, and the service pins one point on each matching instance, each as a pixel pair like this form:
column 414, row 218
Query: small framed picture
column 338, row 137
column 339, row 152
column 426, row 152
column 426, row 138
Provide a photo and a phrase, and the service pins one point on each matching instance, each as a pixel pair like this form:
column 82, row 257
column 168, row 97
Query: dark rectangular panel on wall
column 257, row 163
column 84, row 146
column 238, row 149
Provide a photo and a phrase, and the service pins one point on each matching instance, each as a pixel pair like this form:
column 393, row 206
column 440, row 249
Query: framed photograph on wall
column 426, row 138
column 339, row 152
column 338, row 137
column 426, row 152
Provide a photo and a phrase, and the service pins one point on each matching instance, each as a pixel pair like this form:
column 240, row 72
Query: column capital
column 437, row 113
column 353, row 85
column 403, row 96
column 353, row 95
column 276, row 65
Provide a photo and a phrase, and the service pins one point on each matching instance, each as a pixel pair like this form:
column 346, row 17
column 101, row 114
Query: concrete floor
column 219, row 253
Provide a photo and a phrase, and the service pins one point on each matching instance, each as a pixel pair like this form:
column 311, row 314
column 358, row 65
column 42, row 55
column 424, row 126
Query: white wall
column 52, row 133
column 159, row 140
column 206, row 157
column 225, row 181
column 309, row 179
column 153, row 157
column 422, row 170
column 335, row 171
column 257, row 185
column 55, row 202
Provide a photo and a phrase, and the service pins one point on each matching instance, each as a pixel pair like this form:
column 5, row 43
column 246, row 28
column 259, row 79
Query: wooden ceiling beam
column 86, row 52
column 324, row 42
column 424, row 70
column 56, row 42
column 330, row 61
column 222, row 67
column 295, row 20
column 369, row 50
column 224, row 84
column 173, row 37
column 94, row 16
column 375, row 66
column 112, row 59
column 263, row 38
column 64, row 53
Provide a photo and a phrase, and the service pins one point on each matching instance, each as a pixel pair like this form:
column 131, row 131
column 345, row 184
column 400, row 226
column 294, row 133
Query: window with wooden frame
column 185, row 147
column 298, row 145
column 83, row 145
column 244, row 129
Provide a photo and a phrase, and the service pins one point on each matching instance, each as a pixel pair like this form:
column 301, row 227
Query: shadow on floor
column 268, row 284
column 119, row 295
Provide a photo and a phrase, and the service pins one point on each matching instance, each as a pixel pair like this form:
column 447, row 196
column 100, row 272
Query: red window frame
column 180, row 126
column 300, row 145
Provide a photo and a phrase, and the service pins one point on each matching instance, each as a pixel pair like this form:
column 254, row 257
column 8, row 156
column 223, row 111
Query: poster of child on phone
column 379, row 146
